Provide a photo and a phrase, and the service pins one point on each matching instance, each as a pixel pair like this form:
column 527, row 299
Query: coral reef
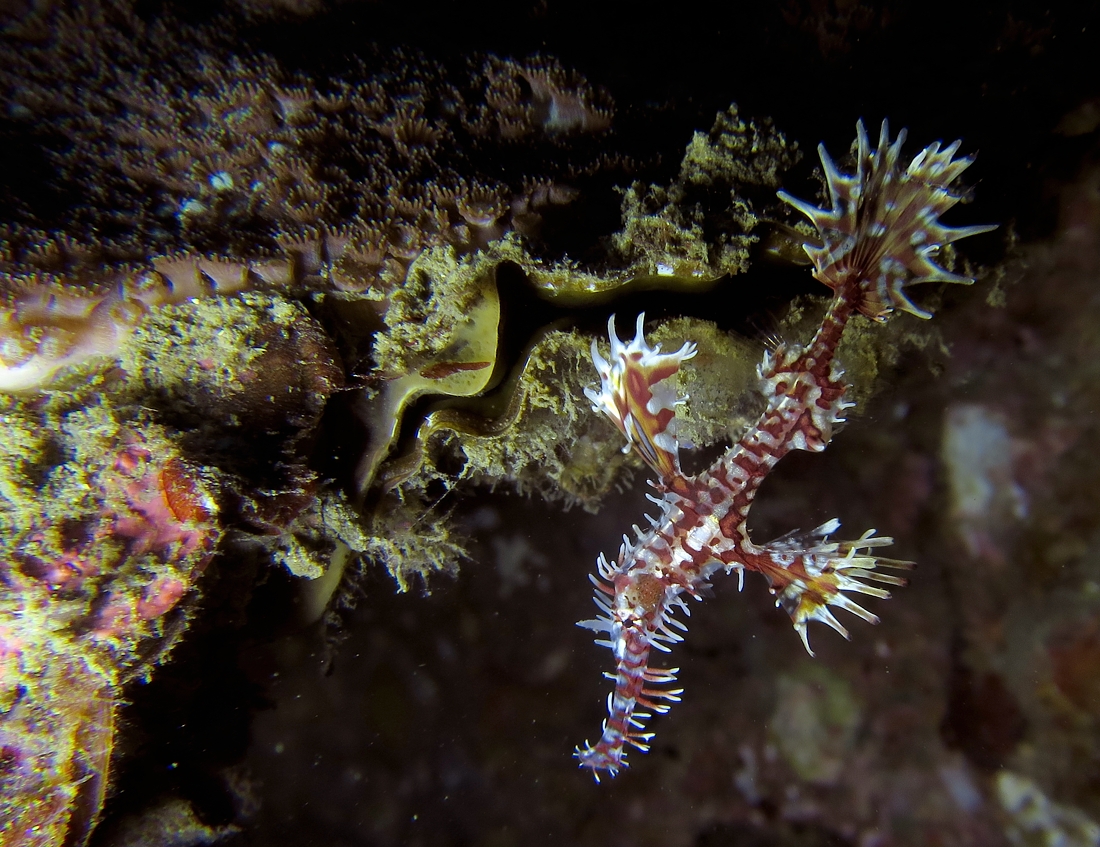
column 117, row 489
column 446, row 716
column 243, row 258
column 249, row 243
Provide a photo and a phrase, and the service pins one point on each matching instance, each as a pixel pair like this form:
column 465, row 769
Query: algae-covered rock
column 702, row 225
column 104, row 531
column 244, row 374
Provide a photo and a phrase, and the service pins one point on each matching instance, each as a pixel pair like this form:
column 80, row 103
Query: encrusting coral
column 101, row 554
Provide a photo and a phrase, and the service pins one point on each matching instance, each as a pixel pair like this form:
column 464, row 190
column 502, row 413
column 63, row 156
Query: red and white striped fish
column 881, row 235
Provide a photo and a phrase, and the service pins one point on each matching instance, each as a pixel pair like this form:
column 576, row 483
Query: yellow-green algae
column 62, row 661
column 254, row 363
column 61, row 496
column 549, row 442
column 665, row 230
column 192, row 352
column 667, row 242
column 409, row 538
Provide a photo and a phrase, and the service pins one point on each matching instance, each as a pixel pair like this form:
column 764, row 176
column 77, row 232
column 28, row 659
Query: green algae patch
column 719, row 383
column 199, row 349
column 815, row 721
column 685, row 236
column 702, row 226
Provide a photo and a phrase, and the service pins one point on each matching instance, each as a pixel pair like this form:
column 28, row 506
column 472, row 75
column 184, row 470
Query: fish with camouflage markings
column 881, row 235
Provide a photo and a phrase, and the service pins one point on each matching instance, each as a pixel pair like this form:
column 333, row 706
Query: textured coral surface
column 295, row 300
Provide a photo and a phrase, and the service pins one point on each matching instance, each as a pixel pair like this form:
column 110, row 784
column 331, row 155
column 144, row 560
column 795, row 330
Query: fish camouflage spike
column 881, row 235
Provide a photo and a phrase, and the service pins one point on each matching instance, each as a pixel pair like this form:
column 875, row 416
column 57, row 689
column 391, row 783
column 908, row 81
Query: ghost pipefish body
column 881, row 235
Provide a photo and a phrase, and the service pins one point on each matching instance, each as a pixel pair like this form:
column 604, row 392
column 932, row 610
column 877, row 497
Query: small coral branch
column 881, row 235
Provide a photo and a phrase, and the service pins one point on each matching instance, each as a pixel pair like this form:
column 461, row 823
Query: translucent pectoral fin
column 807, row 582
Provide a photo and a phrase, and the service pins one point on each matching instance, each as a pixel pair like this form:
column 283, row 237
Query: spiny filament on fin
column 881, row 235
column 883, row 227
column 810, row 578
column 632, row 396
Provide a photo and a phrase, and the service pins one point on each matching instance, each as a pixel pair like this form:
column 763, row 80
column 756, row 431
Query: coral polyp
column 881, row 235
